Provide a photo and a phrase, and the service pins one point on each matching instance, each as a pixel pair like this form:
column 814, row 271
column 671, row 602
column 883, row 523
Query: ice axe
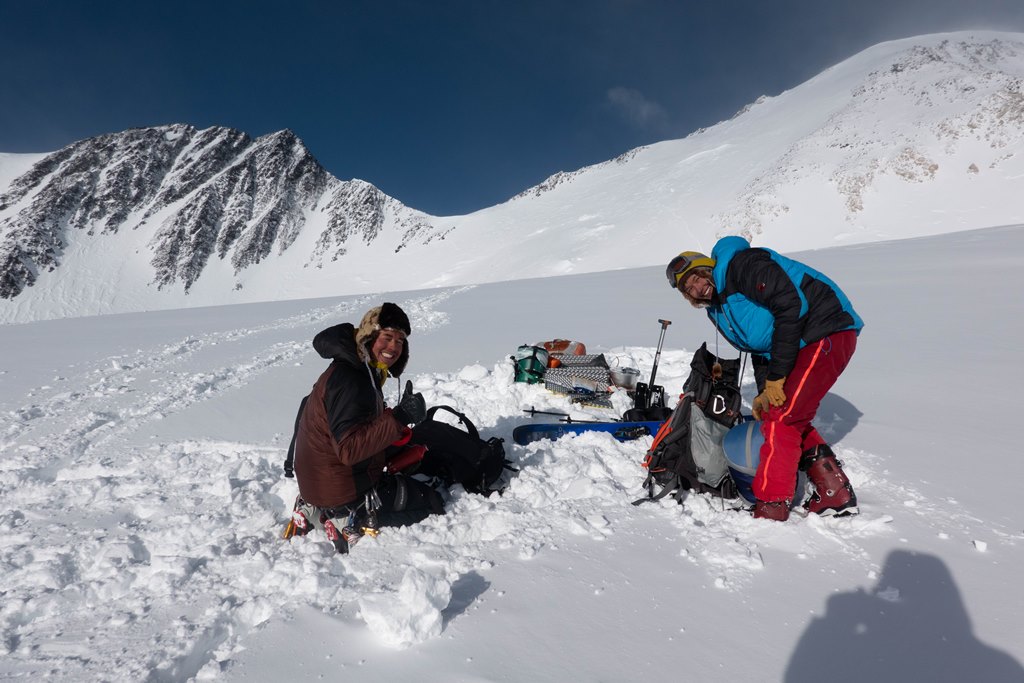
column 650, row 395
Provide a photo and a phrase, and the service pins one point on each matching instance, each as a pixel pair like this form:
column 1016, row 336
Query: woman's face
column 387, row 348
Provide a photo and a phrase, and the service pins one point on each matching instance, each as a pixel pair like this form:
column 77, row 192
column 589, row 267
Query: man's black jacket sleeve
column 754, row 274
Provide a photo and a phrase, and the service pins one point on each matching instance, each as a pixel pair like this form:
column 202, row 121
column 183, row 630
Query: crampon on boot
column 833, row 495
column 777, row 510
column 298, row 523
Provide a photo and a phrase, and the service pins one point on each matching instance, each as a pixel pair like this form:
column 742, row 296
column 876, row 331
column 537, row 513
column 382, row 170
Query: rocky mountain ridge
column 212, row 193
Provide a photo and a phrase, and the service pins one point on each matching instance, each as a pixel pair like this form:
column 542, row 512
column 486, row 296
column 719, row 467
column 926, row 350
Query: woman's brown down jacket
column 345, row 428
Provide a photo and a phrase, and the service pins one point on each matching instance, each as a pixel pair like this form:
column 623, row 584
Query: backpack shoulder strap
column 289, row 460
column 675, row 427
column 470, row 427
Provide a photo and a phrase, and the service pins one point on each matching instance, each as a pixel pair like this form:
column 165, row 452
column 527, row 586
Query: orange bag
column 565, row 347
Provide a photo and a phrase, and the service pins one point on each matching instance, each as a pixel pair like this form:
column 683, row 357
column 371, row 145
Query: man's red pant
column 787, row 428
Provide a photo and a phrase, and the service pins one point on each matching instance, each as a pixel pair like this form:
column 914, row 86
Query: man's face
column 699, row 286
column 387, row 348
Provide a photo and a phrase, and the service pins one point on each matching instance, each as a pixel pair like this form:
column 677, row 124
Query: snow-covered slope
column 912, row 137
column 143, row 501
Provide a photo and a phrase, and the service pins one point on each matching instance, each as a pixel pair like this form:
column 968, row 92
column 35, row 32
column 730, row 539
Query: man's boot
column 833, row 495
column 776, row 510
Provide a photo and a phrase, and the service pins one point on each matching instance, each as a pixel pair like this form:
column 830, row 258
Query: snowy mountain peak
column 908, row 138
column 934, row 114
column 943, row 87
column 212, row 193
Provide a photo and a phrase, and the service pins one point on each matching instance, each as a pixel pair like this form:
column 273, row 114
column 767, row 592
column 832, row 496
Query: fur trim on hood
column 702, row 272
column 385, row 316
column 340, row 343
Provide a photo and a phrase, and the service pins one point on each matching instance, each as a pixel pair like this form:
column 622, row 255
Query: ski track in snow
column 62, row 459
column 184, row 556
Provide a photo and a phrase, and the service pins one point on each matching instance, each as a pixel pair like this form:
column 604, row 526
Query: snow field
column 143, row 504
column 103, row 540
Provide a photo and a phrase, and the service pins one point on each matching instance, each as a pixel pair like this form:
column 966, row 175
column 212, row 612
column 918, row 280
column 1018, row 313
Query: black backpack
column 459, row 456
column 687, row 452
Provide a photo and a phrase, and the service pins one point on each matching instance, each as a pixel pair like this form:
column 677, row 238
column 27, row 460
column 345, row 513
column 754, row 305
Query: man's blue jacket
column 773, row 306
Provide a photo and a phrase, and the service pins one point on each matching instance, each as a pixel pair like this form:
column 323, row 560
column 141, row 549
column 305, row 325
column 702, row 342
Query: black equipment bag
column 459, row 456
column 715, row 385
column 687, row 452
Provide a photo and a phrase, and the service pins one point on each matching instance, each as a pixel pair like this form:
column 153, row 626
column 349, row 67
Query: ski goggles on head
column 683, row 264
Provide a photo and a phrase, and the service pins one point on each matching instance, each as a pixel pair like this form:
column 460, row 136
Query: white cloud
column 637, row 109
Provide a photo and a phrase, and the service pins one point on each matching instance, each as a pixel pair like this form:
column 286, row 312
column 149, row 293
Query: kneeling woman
column 345, row 433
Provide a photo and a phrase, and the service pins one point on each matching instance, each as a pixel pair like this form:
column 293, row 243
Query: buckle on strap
column 338, row 511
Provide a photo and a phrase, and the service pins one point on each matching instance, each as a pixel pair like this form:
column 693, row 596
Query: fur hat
column 385, row 316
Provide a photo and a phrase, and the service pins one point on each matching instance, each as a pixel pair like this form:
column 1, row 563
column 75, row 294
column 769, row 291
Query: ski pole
column 533, row 412
column 657, row 355
column 563, row 417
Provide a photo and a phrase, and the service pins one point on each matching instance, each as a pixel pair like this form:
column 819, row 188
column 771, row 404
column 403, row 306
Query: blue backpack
column 742, row 446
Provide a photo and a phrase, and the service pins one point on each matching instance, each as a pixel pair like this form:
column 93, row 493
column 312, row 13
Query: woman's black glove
column 412, row 408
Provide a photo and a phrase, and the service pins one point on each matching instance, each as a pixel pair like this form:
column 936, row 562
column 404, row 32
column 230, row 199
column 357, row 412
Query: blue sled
column 623, row 431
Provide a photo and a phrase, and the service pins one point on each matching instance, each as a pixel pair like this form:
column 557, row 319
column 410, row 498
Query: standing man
column 801, row 331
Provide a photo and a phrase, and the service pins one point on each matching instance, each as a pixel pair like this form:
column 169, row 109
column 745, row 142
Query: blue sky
column 448, row 106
